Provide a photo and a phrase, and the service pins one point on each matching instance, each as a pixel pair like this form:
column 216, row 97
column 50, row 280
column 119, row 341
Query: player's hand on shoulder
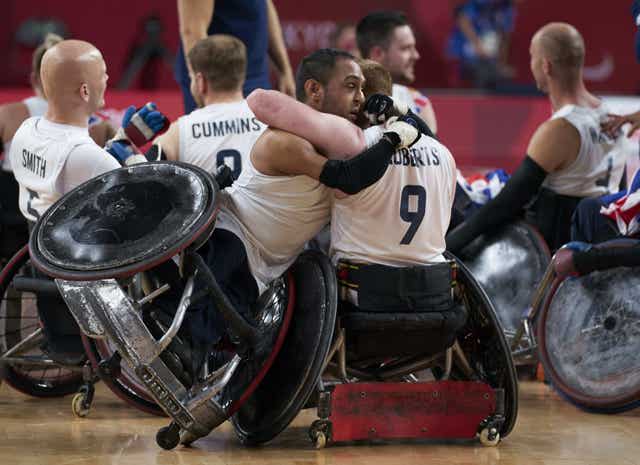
column 379, row 108
column 615, row 122
column 401, row 132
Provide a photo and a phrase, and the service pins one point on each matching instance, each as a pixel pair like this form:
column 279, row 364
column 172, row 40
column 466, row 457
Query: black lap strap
column 386, row 289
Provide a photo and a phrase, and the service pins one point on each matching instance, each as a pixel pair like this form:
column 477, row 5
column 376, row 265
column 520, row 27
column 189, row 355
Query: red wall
column 115, row 25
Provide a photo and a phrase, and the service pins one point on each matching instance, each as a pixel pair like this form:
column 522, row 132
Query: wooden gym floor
column 549, row 431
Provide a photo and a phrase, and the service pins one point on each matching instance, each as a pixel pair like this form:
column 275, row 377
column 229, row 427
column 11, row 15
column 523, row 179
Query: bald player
column 568, row 158
column 14, row 234
column 53, row 154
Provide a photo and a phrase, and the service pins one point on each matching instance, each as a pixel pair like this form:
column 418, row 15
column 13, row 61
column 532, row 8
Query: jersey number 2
column 232, row 159
column 414, row 217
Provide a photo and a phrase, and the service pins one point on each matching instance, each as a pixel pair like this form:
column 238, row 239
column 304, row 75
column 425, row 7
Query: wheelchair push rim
column 19, row 320
column 586, row 388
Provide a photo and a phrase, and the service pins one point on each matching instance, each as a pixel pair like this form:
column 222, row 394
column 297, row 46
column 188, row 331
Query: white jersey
column 413, row 98
column 50, row 159
column 402, row 219
column 274, row 216
column 36, row 106
column 598, row 168
column 219, row 133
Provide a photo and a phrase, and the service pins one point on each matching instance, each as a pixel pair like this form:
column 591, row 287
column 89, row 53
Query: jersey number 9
column 414, row 215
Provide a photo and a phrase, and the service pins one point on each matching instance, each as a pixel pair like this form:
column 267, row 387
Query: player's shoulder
column 11, row 108
column 556, row 130
column 433, row 144
column 12, row 115
column 555, row 143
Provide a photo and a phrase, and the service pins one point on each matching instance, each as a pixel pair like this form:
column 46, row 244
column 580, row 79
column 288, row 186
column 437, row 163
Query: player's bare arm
column 554, row 145
column 168, row 144
column 11, row 117
column 194, row 17
column 330, row 134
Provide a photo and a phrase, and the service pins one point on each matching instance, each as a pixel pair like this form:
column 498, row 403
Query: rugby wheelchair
column 584, row 324
column 147, row 217
column 509, row 264
column 577, row 316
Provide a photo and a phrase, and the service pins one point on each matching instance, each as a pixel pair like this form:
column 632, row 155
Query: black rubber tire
column 13, row 317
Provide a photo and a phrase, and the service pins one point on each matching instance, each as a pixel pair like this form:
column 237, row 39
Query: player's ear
column 84, row 91
column 314, row 91
column 377, row 53
column 546, row 66
column 201, row 84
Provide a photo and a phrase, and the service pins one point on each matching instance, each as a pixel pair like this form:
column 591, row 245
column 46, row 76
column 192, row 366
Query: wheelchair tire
column 485, row 333
column 578, row 344
column 18, row 316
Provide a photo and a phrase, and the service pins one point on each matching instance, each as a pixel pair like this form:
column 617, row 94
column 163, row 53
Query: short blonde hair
column 377, row 78
column 222, row 60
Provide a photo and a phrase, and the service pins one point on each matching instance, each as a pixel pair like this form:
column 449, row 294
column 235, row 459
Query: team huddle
column 352, row 151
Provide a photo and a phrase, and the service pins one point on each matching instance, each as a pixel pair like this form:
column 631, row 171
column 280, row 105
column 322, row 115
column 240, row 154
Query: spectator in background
column 254, row 22
column 480, row 40
column 343, row 37
column 387, row 37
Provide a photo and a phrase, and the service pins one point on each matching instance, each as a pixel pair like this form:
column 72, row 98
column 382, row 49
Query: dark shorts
column 226, row 257
column 589, row 225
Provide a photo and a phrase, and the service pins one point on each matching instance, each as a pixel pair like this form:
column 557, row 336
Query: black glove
column 378, row 108
column 224, row 176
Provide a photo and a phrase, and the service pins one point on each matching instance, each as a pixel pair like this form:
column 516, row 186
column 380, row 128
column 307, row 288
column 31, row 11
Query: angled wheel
column 294, row 373
column 589, row 338
column 484, row 344
column 28, row 370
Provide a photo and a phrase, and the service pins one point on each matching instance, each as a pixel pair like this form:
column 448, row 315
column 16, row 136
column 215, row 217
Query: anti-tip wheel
column 489, row 437
column 320, row 440
column 318, row 433
column 168, row 437
column 78, row 406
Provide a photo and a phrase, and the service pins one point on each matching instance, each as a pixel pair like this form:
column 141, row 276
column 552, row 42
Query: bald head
column 557, row 54
column 73, row 75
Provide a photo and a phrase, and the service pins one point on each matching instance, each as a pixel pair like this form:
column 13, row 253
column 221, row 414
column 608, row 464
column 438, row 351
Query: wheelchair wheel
column 485, row 345
column 28, row 370
column 509, row 265
column 119, row 378
column 589, row 338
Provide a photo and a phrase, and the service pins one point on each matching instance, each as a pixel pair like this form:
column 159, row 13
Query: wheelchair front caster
column 319, row 433
column 489, row 436
column 79, row 405
column 168, row 437
column 82, row 400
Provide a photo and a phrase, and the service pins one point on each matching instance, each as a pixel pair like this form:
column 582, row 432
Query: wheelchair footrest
column 442, row 410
